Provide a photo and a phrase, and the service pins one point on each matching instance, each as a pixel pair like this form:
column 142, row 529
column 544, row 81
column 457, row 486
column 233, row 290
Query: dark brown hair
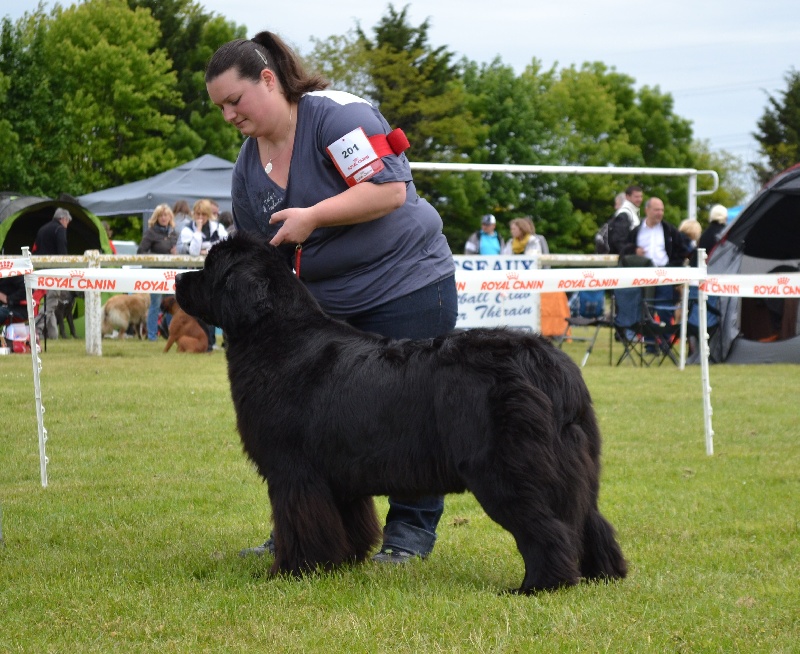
column 265, row 50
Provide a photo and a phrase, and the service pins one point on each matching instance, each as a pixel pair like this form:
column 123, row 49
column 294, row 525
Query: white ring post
column 93, row 311
column 703, row 338
column 36, row 362
column 684, row 320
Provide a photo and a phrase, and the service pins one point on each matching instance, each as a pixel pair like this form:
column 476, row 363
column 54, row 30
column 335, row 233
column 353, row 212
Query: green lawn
column 133, row 545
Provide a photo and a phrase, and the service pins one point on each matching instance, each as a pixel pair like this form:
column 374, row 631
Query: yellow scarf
column 518, row 245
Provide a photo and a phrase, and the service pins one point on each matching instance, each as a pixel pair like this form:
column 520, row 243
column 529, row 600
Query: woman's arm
column 146, row 244
column 358, row 204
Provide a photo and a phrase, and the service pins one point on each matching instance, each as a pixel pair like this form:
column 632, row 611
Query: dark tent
column 764, row 238
column 21, row 216
column 205, row 177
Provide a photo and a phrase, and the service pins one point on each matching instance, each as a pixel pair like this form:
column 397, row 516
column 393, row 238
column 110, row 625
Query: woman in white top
column 202, row 233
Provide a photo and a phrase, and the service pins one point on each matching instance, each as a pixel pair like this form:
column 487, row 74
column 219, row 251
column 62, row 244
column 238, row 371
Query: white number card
column 354, row 157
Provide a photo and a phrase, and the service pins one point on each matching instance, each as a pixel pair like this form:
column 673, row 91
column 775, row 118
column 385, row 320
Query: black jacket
column 673, row 243
column 51, row 239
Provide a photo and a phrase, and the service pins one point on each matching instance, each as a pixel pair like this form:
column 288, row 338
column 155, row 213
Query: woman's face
column 516, row 232
column 163, row 218
column 201, row 215
column 246, row 104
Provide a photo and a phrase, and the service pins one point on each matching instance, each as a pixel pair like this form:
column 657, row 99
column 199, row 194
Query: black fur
column 332, row 416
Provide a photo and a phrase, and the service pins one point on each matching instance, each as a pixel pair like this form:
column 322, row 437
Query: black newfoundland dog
column 332, row 416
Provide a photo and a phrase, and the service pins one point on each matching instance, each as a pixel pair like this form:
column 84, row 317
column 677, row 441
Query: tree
column 88, row 89
column 779, row 131
column 190, row 36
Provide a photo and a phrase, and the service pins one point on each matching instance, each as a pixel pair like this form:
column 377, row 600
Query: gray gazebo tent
column 205, row 177
column 764, row 238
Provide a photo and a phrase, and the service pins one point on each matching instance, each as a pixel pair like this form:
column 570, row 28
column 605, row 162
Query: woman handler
column 373, row 253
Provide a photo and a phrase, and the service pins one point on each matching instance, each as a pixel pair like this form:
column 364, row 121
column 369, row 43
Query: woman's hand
column 297, row 225
column 358, row 204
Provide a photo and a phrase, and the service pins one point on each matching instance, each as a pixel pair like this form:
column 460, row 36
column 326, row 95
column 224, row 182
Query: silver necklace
column 268, row 167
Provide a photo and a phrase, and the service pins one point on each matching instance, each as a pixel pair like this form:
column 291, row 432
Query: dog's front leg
column 309, row 531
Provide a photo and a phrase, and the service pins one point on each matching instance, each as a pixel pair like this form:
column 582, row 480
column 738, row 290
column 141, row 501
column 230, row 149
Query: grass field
column 133, row 545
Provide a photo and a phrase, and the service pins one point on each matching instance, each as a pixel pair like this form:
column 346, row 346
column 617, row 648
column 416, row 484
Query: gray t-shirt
column 353, row 268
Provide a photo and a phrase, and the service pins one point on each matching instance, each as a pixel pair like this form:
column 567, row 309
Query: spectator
column 524, row 239
column 183, row 218
column 717, row 221
column 690, row 229
column 626, row 218
column 661, row 243
column 160, row 238
column 226, row 220
column 12, row 299
column 52, row 239
column 486, row 240
column 203, row 232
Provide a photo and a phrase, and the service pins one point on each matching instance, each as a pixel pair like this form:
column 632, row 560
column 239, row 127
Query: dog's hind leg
column 602, row 556
column 546, row 544
column 361, row 526
column 308, row 529
column 522, row 487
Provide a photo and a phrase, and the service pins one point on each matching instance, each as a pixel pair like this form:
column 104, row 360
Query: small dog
column 184, row 330
column 123, row 311
column 331, row 416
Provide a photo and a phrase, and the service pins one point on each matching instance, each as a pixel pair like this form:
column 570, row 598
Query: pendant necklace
column 268, row 167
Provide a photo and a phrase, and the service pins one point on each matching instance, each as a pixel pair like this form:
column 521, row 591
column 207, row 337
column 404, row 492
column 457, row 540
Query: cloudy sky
column 718, row 58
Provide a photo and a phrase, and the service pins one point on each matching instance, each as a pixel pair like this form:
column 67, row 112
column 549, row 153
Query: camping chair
column 590, row 312
column 627, row 324
column 659, row 334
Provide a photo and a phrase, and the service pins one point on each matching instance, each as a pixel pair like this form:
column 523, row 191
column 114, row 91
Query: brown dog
column 123, row 311
column 183, row 329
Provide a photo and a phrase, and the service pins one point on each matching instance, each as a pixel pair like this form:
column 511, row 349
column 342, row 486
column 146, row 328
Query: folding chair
column 627, row 324
column 659, row 332
column 590, row 312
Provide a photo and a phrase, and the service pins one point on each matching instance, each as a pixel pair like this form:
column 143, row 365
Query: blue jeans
column 426, row 313
column 152, row 316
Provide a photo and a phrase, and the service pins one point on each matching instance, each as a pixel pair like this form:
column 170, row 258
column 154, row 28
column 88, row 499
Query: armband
column 358, row 157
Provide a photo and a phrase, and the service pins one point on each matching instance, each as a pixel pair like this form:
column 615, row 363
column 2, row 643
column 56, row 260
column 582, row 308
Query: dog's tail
column 602, row 556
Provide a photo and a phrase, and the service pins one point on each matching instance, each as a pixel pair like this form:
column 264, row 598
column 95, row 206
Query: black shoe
column 268, row 547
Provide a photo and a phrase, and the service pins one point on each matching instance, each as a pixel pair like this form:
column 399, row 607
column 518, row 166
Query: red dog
column 183, row 329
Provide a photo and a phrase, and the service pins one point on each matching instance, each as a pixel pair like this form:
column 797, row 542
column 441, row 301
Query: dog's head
column 169, row 304
column 244, row 282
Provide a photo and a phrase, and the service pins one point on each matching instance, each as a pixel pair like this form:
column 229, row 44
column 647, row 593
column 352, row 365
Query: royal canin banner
column 15, row 267
column 570, row 280
column 774, row 285
column 108, row 280
column 486, row 297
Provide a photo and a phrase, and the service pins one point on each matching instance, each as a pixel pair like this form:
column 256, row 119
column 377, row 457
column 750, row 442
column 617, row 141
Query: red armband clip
column 395, row 142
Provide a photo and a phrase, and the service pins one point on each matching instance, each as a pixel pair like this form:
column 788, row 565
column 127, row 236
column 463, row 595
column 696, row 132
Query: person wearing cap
column 486, row 240
column 52, row 239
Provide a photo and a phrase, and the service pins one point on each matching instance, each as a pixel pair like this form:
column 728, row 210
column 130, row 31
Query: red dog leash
column 298, row 250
